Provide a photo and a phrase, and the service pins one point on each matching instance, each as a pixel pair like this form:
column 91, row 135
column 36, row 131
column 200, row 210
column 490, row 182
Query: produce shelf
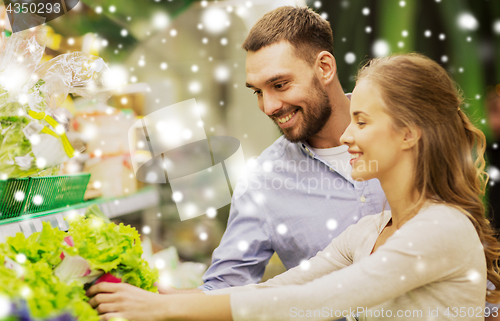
column 111, row 207
column 22, row 196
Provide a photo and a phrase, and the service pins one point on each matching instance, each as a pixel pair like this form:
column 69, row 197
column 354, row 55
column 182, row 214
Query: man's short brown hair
column 304, row 29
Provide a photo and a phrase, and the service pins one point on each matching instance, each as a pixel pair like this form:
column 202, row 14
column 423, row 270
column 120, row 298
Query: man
column 300, row 194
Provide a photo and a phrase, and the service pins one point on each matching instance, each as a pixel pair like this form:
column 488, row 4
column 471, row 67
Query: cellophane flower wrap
column 32, row 140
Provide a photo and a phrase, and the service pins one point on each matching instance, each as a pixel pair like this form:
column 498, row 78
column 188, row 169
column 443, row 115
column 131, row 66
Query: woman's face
column 374, row 143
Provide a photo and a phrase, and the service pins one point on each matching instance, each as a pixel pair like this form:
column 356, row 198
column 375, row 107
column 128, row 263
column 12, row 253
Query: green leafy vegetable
column 112, row 248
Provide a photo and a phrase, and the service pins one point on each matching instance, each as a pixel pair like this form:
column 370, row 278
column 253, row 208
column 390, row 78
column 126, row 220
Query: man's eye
column 279, row 86
column 257, row 92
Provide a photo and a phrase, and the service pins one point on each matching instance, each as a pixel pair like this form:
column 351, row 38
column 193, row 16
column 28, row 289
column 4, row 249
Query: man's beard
column 313, row 120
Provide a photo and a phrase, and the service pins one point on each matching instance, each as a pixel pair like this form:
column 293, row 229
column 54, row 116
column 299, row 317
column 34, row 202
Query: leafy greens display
column 27, row 275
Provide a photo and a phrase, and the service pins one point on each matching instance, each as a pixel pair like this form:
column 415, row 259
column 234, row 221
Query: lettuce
column 28, row 278
column 41, row 246
column 112, row 248
column 44, row 294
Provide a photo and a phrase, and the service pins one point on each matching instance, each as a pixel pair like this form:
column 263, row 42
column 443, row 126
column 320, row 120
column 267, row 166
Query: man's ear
column 412, row 135
column 326, row 67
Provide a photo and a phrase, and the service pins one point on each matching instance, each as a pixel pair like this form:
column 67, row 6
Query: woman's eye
column 279, row 86
column 257, row 92
column 360, row 123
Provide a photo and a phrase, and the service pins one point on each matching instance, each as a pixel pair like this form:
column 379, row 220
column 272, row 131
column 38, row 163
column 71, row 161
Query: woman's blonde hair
column 449, row 155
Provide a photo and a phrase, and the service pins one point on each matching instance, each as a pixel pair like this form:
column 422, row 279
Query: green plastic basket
column 38, row 194
column 12, row 196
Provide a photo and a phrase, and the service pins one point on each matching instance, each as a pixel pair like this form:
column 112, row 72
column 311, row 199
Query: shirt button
column 362, row 199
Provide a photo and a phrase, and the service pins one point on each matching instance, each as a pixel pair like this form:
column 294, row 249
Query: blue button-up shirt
column 294, row 204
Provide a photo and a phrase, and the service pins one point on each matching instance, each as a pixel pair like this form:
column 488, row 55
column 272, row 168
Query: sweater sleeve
column 426, row 249
column 335, row 256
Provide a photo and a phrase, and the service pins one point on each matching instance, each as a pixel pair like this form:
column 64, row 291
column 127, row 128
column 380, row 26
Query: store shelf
column 146, row 198
column 114, row 207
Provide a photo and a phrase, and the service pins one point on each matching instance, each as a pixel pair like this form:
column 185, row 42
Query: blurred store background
column 166, row 51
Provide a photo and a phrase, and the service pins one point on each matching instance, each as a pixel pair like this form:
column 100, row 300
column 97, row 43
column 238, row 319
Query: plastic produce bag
column 32, row 141
column 173, row 272
column 75, row 73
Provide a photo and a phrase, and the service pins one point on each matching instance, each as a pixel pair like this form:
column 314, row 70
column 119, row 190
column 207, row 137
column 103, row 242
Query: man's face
column 288, row 91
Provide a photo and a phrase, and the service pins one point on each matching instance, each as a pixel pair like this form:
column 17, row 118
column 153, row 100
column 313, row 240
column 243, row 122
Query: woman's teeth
column 354, row 156
column 287, row 118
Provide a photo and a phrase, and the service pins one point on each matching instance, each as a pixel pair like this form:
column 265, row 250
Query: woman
column 429, row 257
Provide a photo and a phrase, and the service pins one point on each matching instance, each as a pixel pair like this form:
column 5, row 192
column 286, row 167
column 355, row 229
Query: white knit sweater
column 432, row 268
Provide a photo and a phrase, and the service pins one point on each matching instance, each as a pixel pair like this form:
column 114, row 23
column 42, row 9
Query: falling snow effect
column 474, row 276
column 494, row 173
column 282, row 229
column 331, row 224
column 305, row 265
column 21, row 258
column 350, row 57
column 267, row 166
column 5, row 306
column 215, row 20
column 177, row 196
column 466, row 21
column 496, row 27
column 19, row 196
column 37, row 200
column 211, row 212
column 243, row 246
column 381, row 48
column 146, row 229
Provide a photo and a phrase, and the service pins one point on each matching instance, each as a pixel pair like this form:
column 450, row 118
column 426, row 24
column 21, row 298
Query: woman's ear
column 411, row 137
column 326, row 67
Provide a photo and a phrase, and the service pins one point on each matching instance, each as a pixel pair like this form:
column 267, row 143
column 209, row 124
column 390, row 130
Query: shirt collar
column 306, row 150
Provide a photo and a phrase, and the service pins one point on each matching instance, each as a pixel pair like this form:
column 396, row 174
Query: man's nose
column 271, row 104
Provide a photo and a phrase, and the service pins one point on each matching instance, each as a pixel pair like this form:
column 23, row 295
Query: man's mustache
column 283, row 113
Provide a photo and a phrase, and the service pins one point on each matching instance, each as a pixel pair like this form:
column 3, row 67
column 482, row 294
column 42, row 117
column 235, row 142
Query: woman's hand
column 123, row 300
column 120, row 300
